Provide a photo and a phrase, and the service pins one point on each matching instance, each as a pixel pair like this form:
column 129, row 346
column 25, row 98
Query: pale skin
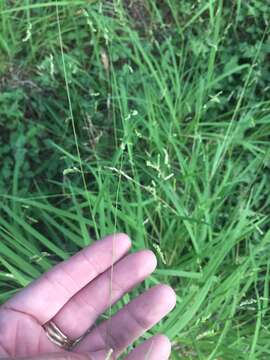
column 75, row 293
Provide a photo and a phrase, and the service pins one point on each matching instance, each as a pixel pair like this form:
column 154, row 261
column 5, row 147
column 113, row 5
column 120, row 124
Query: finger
column 47, row 295
column 156, row 348
column 2, row 352
column 80, row 312
column 59, row 356
column 131, row 321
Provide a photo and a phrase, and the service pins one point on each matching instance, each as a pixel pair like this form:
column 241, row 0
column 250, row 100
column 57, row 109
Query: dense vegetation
column 152, row 118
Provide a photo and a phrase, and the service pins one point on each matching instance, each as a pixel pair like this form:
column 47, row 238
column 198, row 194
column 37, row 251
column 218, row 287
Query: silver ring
column 57, row 337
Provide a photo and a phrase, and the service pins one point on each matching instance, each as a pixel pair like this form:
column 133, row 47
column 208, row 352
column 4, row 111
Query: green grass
column 152, row 119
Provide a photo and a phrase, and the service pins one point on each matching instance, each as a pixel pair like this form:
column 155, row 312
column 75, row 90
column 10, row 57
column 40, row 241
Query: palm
column 75, row 293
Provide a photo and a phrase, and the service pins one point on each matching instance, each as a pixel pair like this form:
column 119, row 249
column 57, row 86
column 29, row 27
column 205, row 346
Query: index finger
column 46, row 296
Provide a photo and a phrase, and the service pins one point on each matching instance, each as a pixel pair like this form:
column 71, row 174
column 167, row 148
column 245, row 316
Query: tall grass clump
column 151, row 118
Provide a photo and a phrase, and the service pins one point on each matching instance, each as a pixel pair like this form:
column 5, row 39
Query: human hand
column 74, row 294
